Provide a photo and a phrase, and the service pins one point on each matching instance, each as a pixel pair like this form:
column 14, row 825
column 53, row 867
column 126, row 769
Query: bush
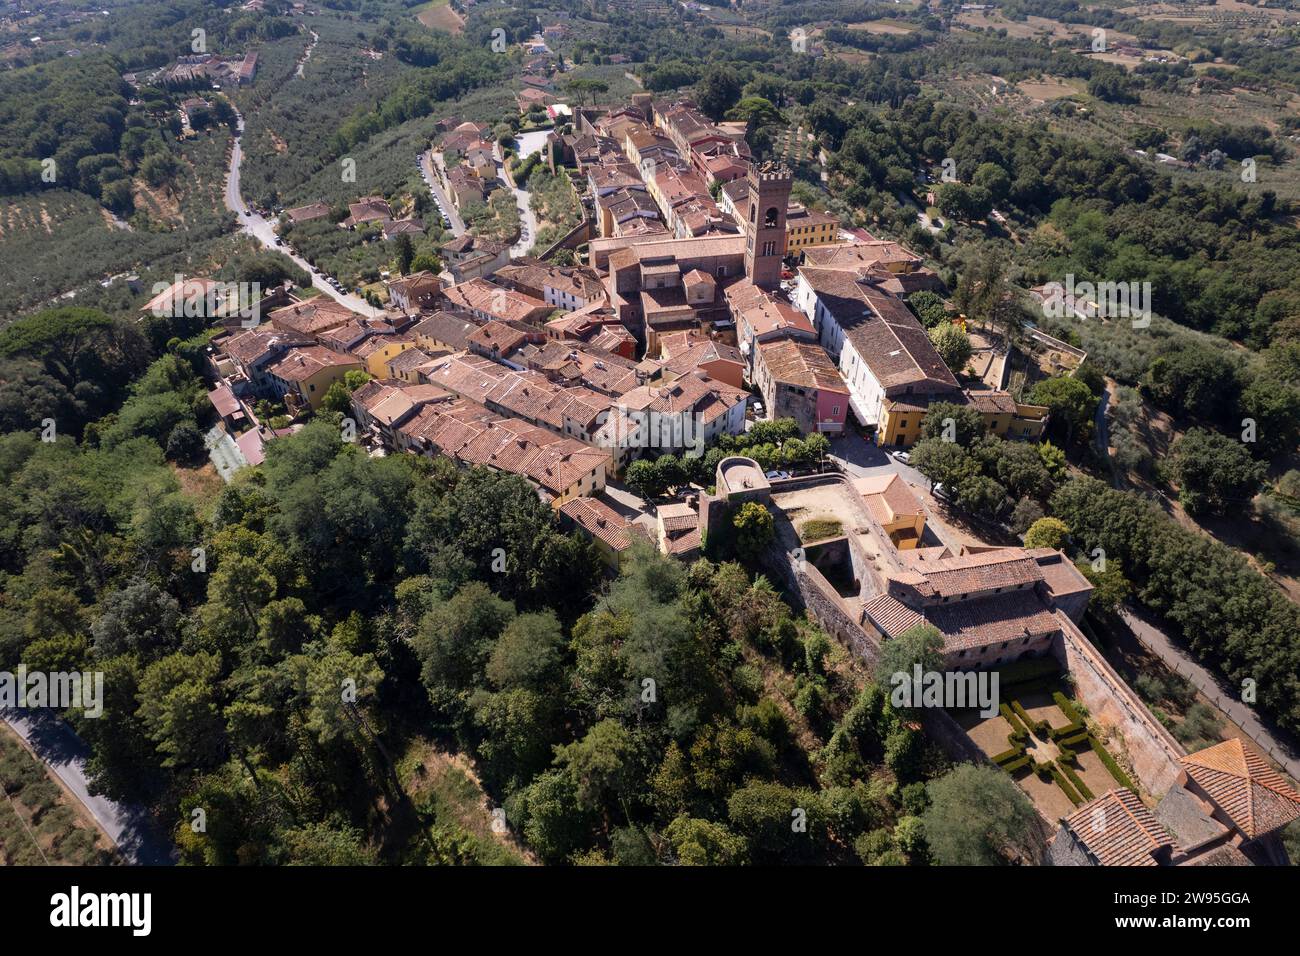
column 185, row 443
column 1115, row 770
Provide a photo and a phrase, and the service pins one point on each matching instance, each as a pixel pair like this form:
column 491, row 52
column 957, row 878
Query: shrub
column 1115, row 770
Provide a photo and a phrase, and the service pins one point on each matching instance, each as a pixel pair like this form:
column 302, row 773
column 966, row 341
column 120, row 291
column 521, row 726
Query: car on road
column 776, row 475
column 903, row 456
column 279, row 241
column 941, row 492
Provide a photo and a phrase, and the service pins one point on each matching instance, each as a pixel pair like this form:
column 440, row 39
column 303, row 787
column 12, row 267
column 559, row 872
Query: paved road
column 130, row 827
column 632, row 507
column 263, row 230
column 435, row 188
column 1227, row 699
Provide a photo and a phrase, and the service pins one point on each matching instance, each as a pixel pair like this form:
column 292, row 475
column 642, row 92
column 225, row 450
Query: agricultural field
column 40, row 822
column 439, row 15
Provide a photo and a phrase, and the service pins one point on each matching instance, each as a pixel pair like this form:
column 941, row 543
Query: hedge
column 1068, row 730
column 1067, row 707
column 1079, row 785
column 1016, row 726
column 1115, row 770
column 1008, row 755
column 1017, row 764
column 1064, row 784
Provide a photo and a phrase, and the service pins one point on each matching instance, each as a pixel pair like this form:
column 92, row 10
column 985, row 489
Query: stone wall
column 1152, row 750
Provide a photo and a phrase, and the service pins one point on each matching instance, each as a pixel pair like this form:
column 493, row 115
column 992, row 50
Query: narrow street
column 441, row 199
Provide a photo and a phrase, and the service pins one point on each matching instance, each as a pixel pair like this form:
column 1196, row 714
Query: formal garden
column 1041, row 737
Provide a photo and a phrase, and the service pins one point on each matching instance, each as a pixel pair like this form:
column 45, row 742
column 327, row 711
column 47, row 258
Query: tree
column 1110, row 588
column 952, row 423
column 994, row 179
column 1070, row 403
column 179, row 708
column 1275, row 409
column 959, row 201
column 921, row 644
column 1047, row 533
column 929, row 307
column 767, row 815
column 185, row 443
column 1214, row 473
column 404, row 253
column 1020, row 467
column 645, row 479
column 978, row 816
column 1025, row 513
column 139, row 619
column 953, row 346
column 754, row 528
column 697, row 842
column 982, row 495
column 944, row 462
column 717, row 91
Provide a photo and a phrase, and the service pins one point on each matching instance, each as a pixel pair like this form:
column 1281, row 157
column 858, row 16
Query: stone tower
column 769, row 195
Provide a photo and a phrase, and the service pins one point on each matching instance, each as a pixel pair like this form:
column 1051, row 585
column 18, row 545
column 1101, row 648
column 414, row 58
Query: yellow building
column 378, row 350
column 807, row 227
column 609, row 531
column 303, row 375
column 900, row 419
column 895, row 508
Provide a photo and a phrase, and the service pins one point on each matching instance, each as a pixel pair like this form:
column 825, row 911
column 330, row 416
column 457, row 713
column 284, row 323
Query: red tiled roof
column 1254, row 796
column 1119, row 830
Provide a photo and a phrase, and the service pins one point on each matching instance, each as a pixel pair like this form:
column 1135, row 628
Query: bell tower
column 769, row 195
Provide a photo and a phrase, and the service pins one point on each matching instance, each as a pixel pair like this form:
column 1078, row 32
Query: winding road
column 129, row 826
column 263, row 229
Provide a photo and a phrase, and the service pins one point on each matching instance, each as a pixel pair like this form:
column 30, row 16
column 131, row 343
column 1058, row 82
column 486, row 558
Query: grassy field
column 438, row 15
column 40, row 823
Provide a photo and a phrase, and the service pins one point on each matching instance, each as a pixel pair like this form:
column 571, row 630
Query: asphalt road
column 1178, row 659
column 130, row 827
column 435, row 187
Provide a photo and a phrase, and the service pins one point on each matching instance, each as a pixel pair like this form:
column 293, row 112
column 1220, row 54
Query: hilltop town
column 650, row 434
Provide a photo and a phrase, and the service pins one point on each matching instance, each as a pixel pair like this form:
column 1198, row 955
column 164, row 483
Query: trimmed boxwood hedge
column 1067, row 730
column 1115, row 770
column 1006, row 755
column 1079, row 785
column 1064, row 784
column 1067, row 707
column 1019, row 763
column 1017, row 728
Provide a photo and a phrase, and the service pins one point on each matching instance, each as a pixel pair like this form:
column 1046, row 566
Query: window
column 771, row 217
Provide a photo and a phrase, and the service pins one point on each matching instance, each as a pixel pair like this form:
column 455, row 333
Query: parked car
column 941, row 492
column 903, row 456
column 776, row 475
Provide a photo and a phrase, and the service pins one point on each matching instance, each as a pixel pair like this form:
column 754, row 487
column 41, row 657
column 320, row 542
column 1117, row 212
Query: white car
column 903, row 456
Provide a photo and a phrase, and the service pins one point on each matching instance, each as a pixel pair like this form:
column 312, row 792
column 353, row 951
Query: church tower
column 769, row 195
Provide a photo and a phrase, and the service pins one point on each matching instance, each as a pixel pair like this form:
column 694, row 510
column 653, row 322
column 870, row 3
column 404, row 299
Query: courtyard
column 1041, row 737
